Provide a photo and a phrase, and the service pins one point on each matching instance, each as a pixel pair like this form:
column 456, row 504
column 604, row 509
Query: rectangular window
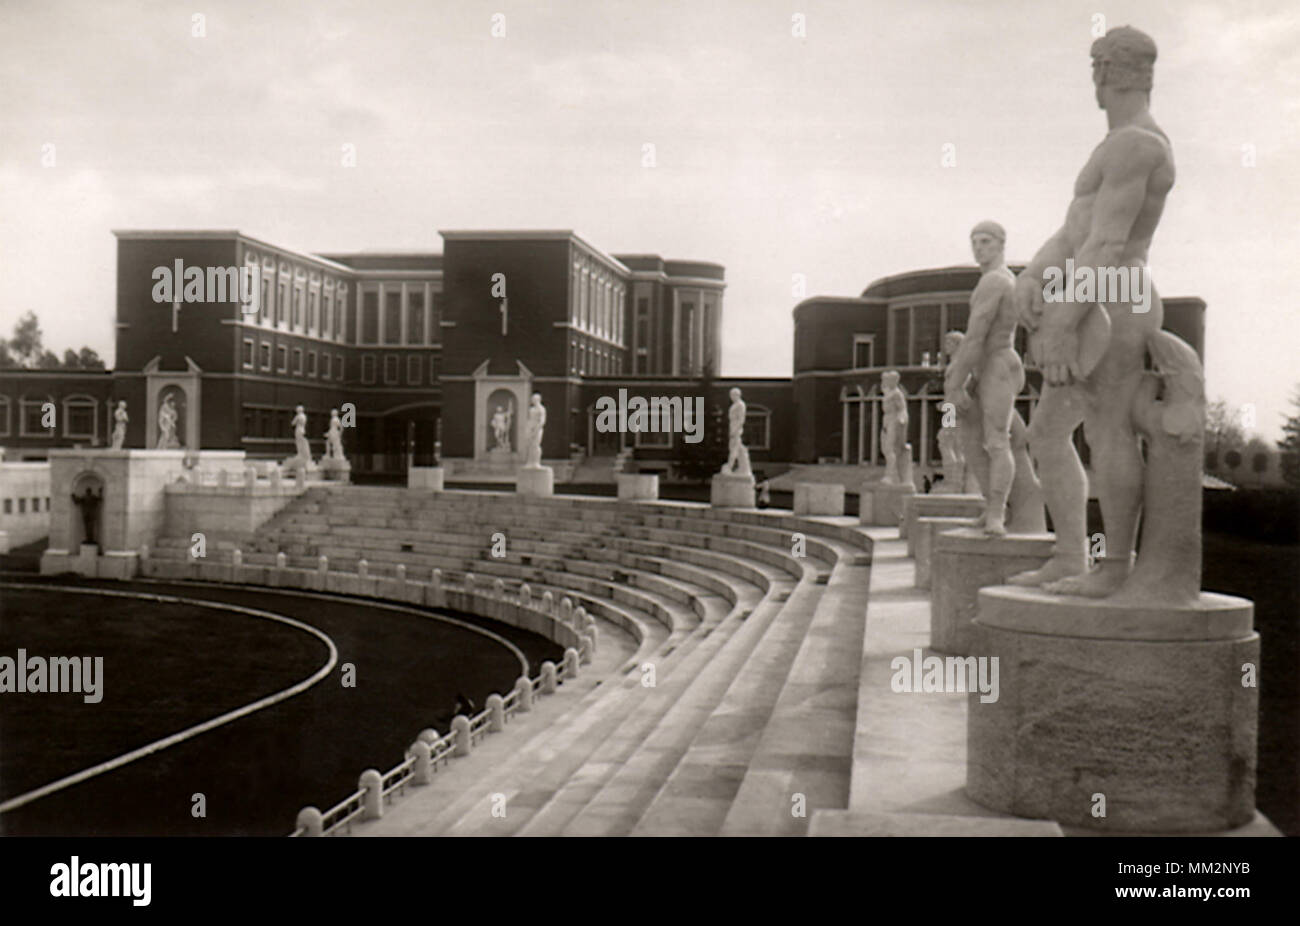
column 368, row 368
column 433, row 370
column 282, row 303
column 266, row 355
column 392, row 316
column 297, row 308
column 313, row 300
column 22, row 506
column 4, row 417
column 415, row 317
column 9, row 506
column 268, row 302
column 341, row 316
column 246, row 358
column 311, row 363
column 338, row 367
column 283, row 366
column 435, row 318
column 899, row 335
column 392, row 369
column 370, row 317
column 32, row 413
column 327, row 315
column 757, row 432
column 413, row 369
column 864, row 351
column 297, row 361
column 926, row 336
column 79, row 419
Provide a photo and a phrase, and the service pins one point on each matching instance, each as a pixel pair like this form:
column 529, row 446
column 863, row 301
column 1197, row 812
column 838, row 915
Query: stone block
column 819, row 498
column 429, row 478
column 881, row 504
column 924, row 532
column 732, row 491
column 638, row 487
column 538, row 481
column 936, row 506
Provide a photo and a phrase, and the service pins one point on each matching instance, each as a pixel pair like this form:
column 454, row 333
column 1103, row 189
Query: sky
column 789, row 138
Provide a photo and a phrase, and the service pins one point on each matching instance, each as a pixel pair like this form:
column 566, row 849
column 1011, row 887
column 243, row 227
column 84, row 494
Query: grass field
column 169, row 666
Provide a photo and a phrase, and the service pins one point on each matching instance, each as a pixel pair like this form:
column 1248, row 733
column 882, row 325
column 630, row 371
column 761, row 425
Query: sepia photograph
column 875, row 419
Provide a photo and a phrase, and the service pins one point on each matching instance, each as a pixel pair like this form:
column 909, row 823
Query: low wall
column 24, row 503
column 224, row 512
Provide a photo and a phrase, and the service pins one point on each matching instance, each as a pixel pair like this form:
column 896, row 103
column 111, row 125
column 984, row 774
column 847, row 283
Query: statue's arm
column 1030, row 282
column 1123, row 192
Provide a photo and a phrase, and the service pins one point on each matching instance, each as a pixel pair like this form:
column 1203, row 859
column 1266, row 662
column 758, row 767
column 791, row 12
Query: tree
column 1290, row 444
column 26, row 350
column 26, row 346
column 1223, row 430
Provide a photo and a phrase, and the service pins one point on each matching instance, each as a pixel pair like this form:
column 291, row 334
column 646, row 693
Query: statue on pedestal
column 302, row 449
column 501, row 427
column 120, row 418
column 334, row 437
column 533, row 434
column 893, row 430
column 1091, row 342
column 984, row 377
column 167, row 417
column 737, row 454
column 89, row 503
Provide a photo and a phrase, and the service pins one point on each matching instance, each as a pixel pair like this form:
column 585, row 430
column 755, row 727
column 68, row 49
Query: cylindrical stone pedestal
column 732, row 491
column 881, row 504
column 818, row 498
column 935, row 506
column 925, row 532
column 638, row 487
column 1120, row 718
column 535, row 480
column 962, row 562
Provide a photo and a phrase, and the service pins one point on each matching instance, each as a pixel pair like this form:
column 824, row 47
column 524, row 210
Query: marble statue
column 893, row 430
column 120, row 418
column 1092, row 350
column 302, row 449
column 954, row 461
column 983, row 378
column 501, row 427
column 737, row 454
column 334, row 437
column 533, row 435
column 167, row 417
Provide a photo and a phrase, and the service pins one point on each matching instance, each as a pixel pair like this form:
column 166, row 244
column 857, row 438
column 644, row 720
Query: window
column 433, row 370
column 415, row 317
column 313, row 300
column 297, row 361
column 297, row 308
column 392, row 316
column 368, row 368
column 79, row 417
column 370, row 317
column 282, row 303
column 435, row 317
column 268, row 300
column 340, row 316
column 864, row 351
column 4, row 416
column 757, row 434
column 413, row 368
column 392, row 367
column 338, row 367
column 311, row 363
column 246, row 356
column 327, row 315
column 266, row 355
column 31, row 418
column 283, row 366
column 22, row 506
column 9, row 506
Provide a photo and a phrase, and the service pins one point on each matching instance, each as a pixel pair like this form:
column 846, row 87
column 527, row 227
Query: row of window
column 264, row 422
column 596, row 304
column 295, row 362
column 22, row 505
column 76, row 419
column 299, row 300
column 392, row 369
column 400, row 313
column 594, row 360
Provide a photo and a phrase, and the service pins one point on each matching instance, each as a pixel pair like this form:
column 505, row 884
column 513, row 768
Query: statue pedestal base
column 638, row 487
column 732, row 490
column 535, row 480
column 336, row 470
column 923, row 533
column 951, row 505
column 818, row 498
column 881, row 504
column 962, row 562
column 428, row 478
column 1139, row 706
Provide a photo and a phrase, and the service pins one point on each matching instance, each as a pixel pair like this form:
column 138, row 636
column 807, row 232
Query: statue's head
column 298, row 409
column 889, row 379
column 1123, row 59
column 952, row 342
column 735, row 394
column 537, row 398
column 988, row 239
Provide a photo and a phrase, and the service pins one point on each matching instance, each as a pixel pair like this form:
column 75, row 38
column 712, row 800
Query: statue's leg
column 997, row 396
column 1025, row 503
column 1065, row 484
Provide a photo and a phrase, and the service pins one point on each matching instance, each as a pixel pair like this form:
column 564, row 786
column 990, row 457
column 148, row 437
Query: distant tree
column 1290, row 444
column 26, row 350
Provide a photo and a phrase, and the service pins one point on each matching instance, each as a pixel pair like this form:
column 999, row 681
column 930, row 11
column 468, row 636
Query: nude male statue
column 893, row 430
column 1092, row 352
column 737, row 454
column 536, row 426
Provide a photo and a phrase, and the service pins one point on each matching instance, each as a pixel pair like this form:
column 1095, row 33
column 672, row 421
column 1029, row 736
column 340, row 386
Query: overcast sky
column 774, row 154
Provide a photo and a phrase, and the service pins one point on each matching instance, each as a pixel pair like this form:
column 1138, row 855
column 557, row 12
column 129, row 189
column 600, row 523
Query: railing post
column 548, row 602
column 566, row 610
column 322, row 564
column 525, row 596
column 281, row 560
column 401, row 573
column 310, row 822
column 570, row 663
column 588, row 647
column 579, row 617
column 237, row 560
column 429, row 736
column 499, row 588
column 373, row 783
column 363, row 568
column 524, row 693
column 548, row 677
column 460, row 729
column 435, row 588
column 496, row 706
column 420, row 772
